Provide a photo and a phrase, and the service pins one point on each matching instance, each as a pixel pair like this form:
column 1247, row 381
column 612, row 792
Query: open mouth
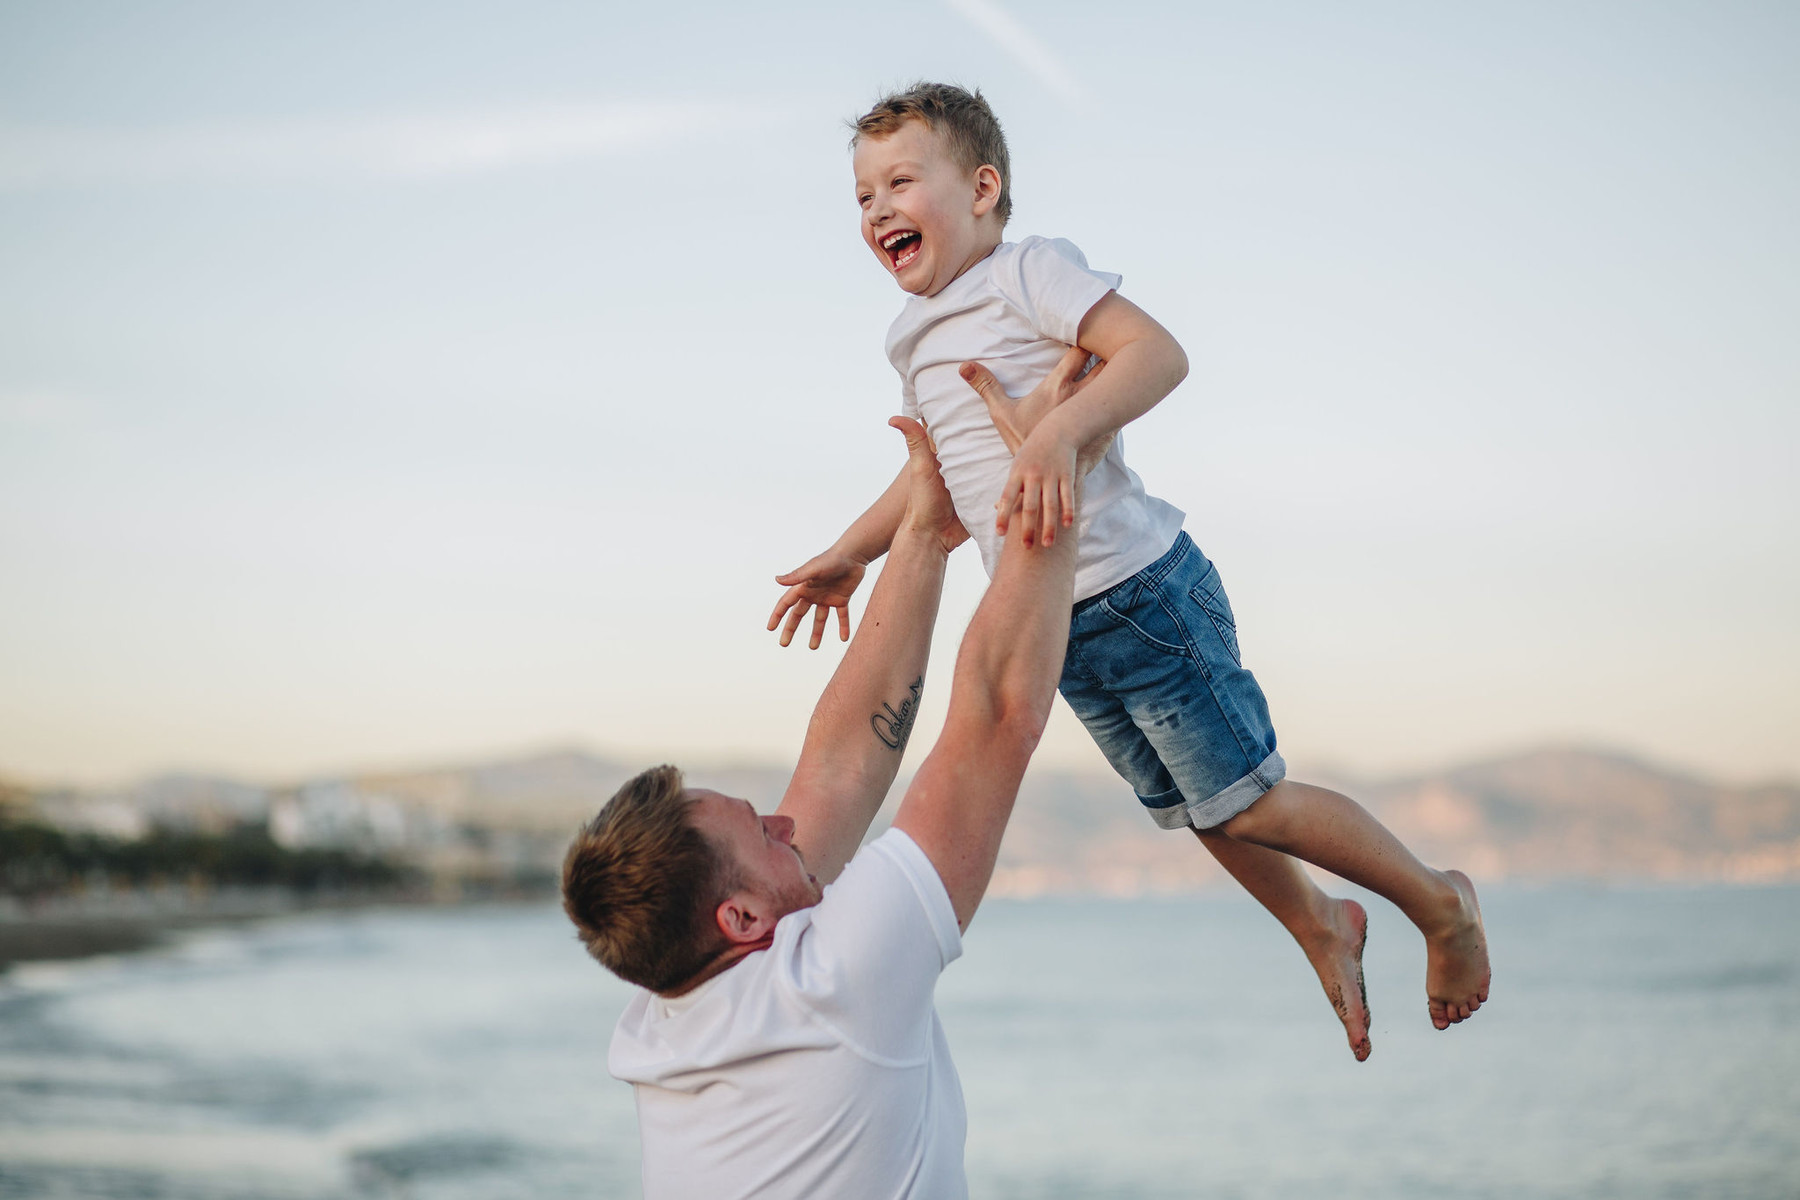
column 902, row 246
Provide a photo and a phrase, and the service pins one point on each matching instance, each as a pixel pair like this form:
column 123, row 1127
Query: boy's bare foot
column 1337, row 957
column 1456, row 960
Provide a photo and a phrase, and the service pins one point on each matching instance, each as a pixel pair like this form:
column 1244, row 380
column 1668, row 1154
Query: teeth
column 887, row 243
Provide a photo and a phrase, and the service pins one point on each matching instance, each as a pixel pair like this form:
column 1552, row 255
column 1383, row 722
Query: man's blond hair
column 641, row 883
column 969, row 128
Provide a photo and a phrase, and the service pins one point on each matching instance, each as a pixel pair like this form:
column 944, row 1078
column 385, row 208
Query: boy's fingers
column 1003, row 507
column 782, row 605
column 1066, row 490
column 795, row 615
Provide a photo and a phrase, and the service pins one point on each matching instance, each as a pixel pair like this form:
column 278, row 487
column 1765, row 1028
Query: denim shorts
column 1154, row 673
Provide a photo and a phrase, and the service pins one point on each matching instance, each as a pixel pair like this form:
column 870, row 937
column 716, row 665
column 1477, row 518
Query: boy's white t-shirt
column 1014, row 312
column 816, row 1067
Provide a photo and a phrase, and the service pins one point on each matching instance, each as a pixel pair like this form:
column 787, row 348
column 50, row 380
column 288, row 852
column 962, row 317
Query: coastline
column 76, row 927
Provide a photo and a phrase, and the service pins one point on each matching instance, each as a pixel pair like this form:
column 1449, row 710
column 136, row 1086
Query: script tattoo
column 893, row 726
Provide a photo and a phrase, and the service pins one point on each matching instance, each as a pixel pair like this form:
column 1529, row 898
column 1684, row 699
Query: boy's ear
column 987, row 189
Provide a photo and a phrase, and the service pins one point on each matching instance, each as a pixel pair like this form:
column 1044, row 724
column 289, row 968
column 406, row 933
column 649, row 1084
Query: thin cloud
column 38, row 408
column 378, row 147
column 1022, row 45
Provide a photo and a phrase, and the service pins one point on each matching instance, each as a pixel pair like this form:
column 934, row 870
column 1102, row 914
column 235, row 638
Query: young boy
column 1153, row 668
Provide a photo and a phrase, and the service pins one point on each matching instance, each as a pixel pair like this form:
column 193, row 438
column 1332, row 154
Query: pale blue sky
column 380, row 384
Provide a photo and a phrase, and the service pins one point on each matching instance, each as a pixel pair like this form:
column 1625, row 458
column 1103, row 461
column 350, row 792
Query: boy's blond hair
column 970, row 130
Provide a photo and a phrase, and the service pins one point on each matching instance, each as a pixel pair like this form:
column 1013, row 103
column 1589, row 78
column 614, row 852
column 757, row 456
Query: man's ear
column 743, row 919
column 987, row 189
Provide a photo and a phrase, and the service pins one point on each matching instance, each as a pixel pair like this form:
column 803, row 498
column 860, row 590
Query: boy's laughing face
column 926, row 218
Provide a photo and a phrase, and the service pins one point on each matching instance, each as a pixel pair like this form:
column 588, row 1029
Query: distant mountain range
column 1546, row 814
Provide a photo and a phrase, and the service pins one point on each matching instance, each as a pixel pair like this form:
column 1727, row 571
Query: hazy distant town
column 499, row 828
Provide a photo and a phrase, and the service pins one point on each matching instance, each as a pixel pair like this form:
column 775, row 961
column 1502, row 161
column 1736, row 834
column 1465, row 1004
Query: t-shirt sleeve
column 877, row 943
column 1050, row 282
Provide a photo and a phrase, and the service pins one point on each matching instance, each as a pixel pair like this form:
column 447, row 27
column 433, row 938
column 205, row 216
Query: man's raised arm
column 1006, row 674
column 859, row 728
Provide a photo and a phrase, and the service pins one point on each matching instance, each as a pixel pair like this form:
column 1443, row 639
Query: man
column 785, row 1043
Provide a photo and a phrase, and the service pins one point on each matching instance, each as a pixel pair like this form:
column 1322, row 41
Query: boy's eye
column 864, row 199
column 897, row 182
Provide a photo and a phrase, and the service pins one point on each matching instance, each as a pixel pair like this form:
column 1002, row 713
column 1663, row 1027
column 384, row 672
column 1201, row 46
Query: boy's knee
column 1253, row 824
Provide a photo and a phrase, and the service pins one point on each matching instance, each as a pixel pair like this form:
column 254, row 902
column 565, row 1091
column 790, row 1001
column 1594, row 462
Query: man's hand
column 1045, row 466
column 928, row 505
column 820, row 584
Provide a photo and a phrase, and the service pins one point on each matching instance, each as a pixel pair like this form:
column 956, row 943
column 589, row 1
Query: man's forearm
column 957, row 806
column 860, row 727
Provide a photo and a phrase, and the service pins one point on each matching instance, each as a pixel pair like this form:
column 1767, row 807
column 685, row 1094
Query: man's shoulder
column 890, row 885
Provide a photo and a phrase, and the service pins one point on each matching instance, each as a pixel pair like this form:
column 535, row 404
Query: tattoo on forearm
column 894, row 725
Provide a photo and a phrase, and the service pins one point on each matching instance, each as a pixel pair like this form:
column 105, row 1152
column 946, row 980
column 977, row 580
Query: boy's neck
column 989, row 242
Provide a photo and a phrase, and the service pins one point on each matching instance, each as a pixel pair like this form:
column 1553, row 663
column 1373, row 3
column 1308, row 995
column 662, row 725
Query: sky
column 386, row 385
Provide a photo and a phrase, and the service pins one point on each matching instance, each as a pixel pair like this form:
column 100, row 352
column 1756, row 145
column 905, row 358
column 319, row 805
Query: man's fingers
column 1069, row 366
column 820, row 615
column 910, row 429
column 844, row 623
column 918, row 438
column 981, row 379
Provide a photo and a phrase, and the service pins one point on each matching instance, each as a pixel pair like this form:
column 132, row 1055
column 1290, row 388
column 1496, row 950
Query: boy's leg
column 1332, row 831
column 1176, row 668
column 1330, row 931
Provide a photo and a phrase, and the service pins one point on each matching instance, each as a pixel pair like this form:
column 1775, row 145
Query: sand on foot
column 1338, row 961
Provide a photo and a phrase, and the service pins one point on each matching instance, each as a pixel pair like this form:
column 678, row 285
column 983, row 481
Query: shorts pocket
column 1138, row 609
column 1209, row 594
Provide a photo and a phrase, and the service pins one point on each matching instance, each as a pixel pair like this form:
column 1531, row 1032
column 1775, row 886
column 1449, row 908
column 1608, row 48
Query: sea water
column 1638, row 1043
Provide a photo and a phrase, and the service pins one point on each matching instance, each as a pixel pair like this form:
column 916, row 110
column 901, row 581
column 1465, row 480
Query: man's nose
column 781, row 828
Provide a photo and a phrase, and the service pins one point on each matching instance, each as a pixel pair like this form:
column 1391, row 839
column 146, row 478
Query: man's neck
column 727, row 958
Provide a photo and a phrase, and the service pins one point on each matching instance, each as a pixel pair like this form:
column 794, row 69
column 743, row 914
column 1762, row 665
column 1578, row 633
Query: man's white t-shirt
column 1014, row 312
column 816, row 1068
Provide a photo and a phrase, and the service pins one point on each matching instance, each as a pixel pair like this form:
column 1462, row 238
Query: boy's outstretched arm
column 1143, row 364
column 827, row 581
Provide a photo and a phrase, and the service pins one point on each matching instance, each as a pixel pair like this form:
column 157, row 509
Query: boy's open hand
column 820, row 584
column 1045, row 467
